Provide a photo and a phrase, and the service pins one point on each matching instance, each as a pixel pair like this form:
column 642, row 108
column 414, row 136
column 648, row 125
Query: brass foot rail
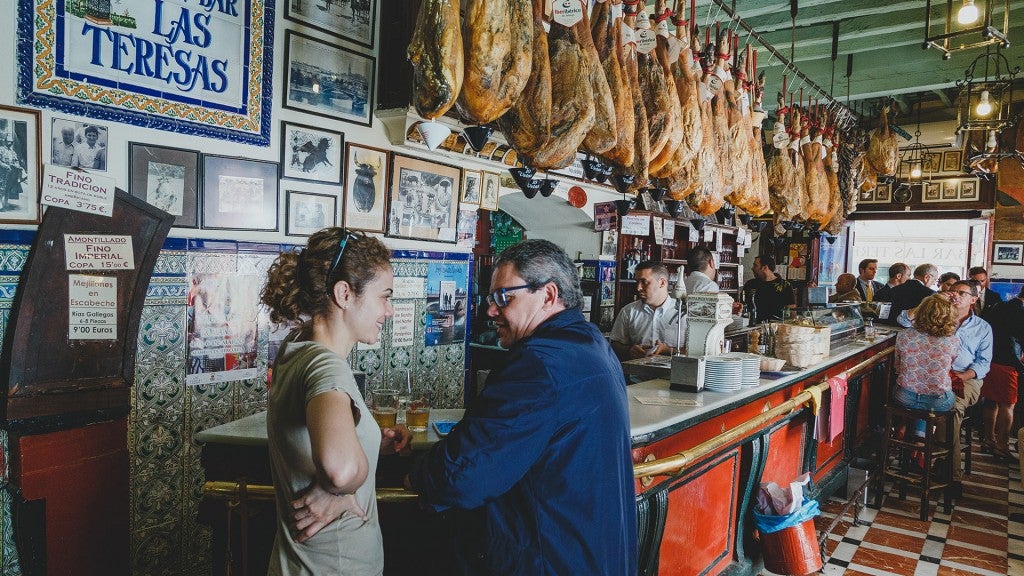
column 234, row 491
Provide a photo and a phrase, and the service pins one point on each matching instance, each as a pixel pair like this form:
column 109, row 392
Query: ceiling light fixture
column 984, row 107
column 968, row 13
column 913, row 158
column 986, row 97
column 967, row 25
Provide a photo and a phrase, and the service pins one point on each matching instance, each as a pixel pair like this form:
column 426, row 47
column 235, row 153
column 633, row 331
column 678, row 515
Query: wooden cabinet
column 672, row 250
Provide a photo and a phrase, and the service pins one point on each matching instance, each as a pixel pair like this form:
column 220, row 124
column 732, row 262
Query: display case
column 842, row 319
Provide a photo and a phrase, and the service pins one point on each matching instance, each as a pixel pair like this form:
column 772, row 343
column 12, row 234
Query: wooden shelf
column 729, row 264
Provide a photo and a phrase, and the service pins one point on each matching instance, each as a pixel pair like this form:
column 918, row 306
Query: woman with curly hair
column 323, row 443
column 924, row 354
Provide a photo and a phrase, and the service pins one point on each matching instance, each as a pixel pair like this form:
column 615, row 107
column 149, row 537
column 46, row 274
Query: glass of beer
column 417, row 411
column 384, row 407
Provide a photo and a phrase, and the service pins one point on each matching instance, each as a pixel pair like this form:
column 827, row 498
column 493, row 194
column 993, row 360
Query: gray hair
column 926, row 270
column 540, row 262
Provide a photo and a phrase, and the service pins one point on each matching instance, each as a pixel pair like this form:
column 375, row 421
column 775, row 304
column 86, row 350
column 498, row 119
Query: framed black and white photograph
column 78, row 144
column 930, row 162
column 471, row 187
column 239, row 193
column 365, row 198
column 307, row 212
column 969, row 190
column 489, row 195
column 20, row 165
column 1008, row 253
column 328, row 80
column 167, row 178
column 424, row 199
column 932, row 191
column 951, row 161
column 350, row 20
column 883, row 193
column 950, row 189
column 310, row 153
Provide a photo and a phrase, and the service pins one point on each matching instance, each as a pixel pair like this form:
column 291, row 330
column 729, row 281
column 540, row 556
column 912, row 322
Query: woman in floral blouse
column 924, row 354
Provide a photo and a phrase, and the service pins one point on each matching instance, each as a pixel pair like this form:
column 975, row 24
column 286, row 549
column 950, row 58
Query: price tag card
column 694, row 235
column 98, row 252
column 709, row 234
column 659, row 230
column 92, row 307
column 669, row 228
column 77, row 190
column 636, row 224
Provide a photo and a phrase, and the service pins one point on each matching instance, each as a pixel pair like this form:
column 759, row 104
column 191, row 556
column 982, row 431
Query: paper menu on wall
column 694, row 235
column 668, row 228
column 659, row 230
column 636, row 224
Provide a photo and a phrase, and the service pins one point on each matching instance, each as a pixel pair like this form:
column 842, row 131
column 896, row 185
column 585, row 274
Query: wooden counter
column 696, row 518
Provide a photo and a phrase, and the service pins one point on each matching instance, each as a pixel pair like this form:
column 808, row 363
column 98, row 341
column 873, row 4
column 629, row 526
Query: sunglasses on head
column 337, row 258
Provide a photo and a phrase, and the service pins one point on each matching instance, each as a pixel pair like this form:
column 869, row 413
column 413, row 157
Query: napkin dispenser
column 687, row 373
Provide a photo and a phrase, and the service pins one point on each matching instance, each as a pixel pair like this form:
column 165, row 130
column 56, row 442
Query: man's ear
column 550, row 294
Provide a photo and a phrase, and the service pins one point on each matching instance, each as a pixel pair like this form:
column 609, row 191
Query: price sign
column 77, row 190
column 92, row 307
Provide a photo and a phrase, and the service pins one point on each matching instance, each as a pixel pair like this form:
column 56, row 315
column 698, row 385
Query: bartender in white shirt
column 650, row 324
column 701, row 264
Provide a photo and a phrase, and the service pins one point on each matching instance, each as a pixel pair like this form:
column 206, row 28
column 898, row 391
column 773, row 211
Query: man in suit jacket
column 866, row 284
column 909, row 294
column 898, row 274
column 989, row 298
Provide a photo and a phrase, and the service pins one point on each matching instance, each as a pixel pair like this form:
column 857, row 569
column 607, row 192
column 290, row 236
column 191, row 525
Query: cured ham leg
column 607, row 33
column 436, row 56
column 527, row 125
column 497, row 38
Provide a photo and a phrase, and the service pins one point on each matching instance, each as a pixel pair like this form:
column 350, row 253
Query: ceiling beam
column 946, row 101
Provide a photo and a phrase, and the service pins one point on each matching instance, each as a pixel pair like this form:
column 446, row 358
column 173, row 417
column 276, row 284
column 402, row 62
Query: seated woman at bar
column 924, row 354
column 322, row 441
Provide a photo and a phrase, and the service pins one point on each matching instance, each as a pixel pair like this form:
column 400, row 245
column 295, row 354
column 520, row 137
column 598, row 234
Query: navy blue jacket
column 906, row 296
column 543, row 460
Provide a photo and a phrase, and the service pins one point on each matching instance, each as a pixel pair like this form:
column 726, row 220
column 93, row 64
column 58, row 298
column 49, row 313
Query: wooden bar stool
column 935, row 475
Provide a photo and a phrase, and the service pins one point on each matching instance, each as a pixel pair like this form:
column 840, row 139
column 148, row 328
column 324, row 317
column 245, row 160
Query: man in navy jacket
column 909, row 294
column 542, row 459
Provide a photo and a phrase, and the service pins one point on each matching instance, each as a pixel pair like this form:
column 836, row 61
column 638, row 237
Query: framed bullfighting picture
column 19, row 165
column 424, row 199
column 239, row 194
column 310, row 153
column 167, row 178
column 366, row 172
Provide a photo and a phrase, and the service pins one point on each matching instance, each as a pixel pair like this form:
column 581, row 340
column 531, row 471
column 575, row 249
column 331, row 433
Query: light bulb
column 915, row 172
column 984, row 107
column 968, row 13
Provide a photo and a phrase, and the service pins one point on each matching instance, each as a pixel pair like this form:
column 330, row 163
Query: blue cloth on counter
column 542, row 461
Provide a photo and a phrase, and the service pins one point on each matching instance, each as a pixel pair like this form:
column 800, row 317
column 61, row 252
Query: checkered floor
column 983, row 535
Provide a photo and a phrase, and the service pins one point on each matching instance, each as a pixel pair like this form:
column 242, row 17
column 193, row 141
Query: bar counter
column 698, row 466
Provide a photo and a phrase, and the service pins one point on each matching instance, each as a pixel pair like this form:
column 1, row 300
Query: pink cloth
column 837, row 407
column 923, row 361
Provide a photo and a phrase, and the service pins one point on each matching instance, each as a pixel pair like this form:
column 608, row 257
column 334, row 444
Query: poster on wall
column 446, row 303
column 222, row 322
column 831, row 260
column 200, row 68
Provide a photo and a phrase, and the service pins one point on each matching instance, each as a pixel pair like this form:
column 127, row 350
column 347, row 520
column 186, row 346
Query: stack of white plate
column 751, row 373
column 723, row 374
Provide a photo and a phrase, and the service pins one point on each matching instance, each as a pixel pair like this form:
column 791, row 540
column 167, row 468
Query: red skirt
column 1000, row 384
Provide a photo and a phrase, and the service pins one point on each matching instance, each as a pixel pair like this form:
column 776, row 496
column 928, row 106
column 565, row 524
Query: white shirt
column 698, row 281
column 637, row 322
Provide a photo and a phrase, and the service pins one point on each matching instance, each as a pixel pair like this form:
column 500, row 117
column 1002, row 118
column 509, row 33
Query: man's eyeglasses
column 337, row 258
column 498, row 297
column 963, row 293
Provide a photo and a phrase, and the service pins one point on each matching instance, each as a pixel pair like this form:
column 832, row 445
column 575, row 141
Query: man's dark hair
column 977, row 270
column 540, row 262
column 656, row 268
column 768, row 261
column 699, row 259
column 897, row 269
column 92, row 129
column 973, row 285
column 947, row 275
column 864, row 263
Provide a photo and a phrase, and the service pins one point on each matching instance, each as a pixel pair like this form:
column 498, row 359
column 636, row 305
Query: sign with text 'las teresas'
column 194, row 66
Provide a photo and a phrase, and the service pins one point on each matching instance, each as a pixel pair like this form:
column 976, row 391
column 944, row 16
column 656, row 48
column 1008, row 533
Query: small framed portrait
column 1008, row 253
column 310, row 153
column 930, row 162
column 307, row 212
column 969, row 190
column 365, row 196
column 491, row 184
column 423, row 199
column 951, row 161
column 328, row 80
column 883, row 193
column 351, row 20
column 239, row 194
column 950, row 189
column 78, row 144
column 167, row 178
column 471, row 187
column 932, row 192
column 20, row 165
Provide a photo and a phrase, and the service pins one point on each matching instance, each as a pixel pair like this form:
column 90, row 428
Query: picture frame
column 167, row 178
column 951, row 161
column 1008, row 253
column 490, row 190
column 311, row 154
column 328, row 80
column 240, row 194
column 70, row 147
column 883, row 193
column 930, row 162
column 365, row 196
column 329, row 17
column 950, row 189
column 20, row 147
column 471, row 187
column 307, row 212
column 423, row 199
column 932, row 192
column 969, row 190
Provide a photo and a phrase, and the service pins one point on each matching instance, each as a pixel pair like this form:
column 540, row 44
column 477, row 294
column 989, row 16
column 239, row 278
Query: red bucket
column 793, row 551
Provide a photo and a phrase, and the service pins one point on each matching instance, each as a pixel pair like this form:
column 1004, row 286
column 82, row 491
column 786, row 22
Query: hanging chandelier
column 985, row 102
column 968, row 24
column 915, row 158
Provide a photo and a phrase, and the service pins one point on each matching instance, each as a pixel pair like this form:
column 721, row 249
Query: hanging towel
column 837, row 407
